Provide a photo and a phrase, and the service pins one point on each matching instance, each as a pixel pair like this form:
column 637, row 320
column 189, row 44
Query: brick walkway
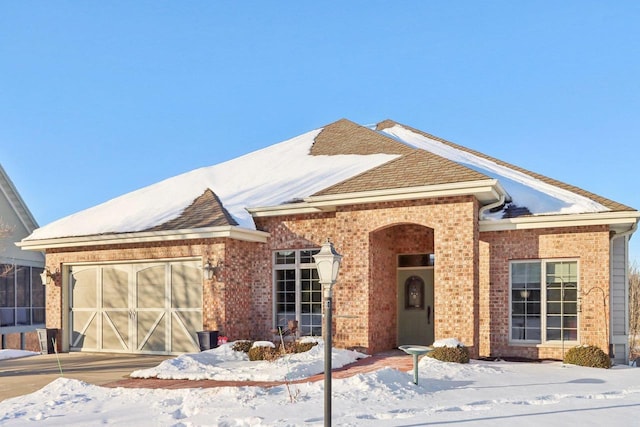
column 393, row 359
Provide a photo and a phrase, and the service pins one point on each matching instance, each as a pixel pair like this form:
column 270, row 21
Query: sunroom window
column 297, row 291
column 544, row 301
column 21, row 296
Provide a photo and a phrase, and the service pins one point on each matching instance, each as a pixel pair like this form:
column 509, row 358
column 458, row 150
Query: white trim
column 232, row 232
column 544, row 342
column 487, row 191
column 286, row 209
column 622, row 219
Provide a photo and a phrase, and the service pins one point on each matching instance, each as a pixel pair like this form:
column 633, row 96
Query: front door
column 415, row 306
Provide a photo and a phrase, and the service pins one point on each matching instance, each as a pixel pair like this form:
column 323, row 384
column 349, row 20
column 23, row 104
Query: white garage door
column 151, row 308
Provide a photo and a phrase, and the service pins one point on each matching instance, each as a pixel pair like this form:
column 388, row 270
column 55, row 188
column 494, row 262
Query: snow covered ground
column 480, row 393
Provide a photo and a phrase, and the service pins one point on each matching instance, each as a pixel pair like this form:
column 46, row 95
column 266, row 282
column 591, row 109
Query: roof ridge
column 611, row 204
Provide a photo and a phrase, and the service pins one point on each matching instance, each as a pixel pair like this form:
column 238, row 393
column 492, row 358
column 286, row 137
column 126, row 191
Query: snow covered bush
column 266, row 350
column 300, row 346
column 242, row 345
column 263, row 350
column 450, row 350
column 587, row 355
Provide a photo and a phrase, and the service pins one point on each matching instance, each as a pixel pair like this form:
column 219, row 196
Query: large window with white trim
column 544, row 301
column 297, row 291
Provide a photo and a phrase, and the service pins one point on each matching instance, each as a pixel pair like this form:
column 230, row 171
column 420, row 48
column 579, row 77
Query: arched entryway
column 401, row 286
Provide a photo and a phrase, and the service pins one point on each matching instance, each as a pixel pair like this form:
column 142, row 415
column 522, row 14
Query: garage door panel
column 186, row 286
column 115, row 288
column 182, row 326
column 84, row 290
column 115, row 330
column 150, row 284
column 84, row 330
column 151, row 330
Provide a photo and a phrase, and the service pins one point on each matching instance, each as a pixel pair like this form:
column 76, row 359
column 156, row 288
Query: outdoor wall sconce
column 212, row 270
column 47, row 276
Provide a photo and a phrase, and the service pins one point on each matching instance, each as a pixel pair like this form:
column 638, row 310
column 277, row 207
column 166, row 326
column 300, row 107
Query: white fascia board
column 620, row 219
column 232, row 232
column 487, row 191
column 287, row 209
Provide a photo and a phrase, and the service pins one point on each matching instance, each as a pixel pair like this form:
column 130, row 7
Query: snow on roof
column 267, row 177
column 287, row 171
column 539, row 197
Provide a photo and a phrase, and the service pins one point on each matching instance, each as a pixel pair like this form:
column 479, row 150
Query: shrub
column 271, row 353
column 458, row 354
column 588, row 355
column 242, row 345
column 301, row 347
column 263, row 353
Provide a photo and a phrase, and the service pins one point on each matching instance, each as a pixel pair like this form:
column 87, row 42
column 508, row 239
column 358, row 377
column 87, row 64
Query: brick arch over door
column 454, row 222
column 385, row 246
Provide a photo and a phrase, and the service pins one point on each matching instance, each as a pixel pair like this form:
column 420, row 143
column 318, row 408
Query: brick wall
column 471, row 274
column 365, row 295
column 20, row 341
column 589, row 245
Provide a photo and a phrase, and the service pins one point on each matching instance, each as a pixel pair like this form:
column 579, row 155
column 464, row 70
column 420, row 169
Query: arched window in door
column 414, row 293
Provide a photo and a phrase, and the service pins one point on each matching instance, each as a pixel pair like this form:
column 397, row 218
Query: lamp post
column 328, row 265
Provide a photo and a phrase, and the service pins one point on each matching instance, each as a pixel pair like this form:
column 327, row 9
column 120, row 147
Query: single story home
column 22, row 296
column 437, row 240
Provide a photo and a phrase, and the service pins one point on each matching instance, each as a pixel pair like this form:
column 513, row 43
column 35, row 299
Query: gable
column 16, row 222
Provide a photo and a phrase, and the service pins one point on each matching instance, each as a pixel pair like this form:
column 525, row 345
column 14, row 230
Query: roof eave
column 486, row 191
column 228, row 231
column 618, row 221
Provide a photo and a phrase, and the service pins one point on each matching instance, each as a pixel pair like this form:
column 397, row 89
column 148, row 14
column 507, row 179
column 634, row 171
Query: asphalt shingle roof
column 614, row 206
column 205, row 211
column 347, row 137
column 417, row 169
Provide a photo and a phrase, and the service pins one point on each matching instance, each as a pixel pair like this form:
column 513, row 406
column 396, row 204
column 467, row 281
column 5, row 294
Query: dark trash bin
column 46, row 338
column 207, row 340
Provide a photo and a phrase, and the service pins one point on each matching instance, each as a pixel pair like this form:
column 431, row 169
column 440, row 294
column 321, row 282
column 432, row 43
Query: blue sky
column 101, row 98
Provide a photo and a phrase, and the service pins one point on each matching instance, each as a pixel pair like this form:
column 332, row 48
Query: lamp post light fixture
column 328, row 264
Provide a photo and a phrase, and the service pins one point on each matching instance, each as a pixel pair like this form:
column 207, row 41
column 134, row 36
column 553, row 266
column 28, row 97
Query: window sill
column 549, row 344
column 558, row 344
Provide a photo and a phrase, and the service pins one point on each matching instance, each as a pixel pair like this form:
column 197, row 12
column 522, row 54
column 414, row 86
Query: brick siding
column 471, row 273
column 589, row 245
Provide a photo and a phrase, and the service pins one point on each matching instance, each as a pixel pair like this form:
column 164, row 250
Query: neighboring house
column 22, row 296
column 437, row 241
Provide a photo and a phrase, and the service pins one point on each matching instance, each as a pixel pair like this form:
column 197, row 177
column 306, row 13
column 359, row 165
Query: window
column 297, row 291
column 544, row 301
column 21, row 296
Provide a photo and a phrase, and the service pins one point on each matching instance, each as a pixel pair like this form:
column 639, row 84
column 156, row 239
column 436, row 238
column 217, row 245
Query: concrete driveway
column 28, row 374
